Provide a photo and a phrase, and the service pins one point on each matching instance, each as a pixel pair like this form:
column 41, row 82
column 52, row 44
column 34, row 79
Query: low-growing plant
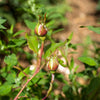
column 33, row 78
column 41, row 80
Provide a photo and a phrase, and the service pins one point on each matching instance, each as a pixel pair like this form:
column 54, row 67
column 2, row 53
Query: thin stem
column 36, row 71
column 23, row 96
column 50, row 88
column 21, row 71
column 44, row 18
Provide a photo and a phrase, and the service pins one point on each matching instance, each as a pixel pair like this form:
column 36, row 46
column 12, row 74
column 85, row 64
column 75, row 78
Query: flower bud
column 40, row 29
column 52, row 64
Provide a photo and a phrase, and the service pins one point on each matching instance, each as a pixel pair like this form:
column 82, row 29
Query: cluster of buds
column 52, row 64
column 41, row 29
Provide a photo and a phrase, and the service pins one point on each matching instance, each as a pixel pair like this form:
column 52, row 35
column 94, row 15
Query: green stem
column 50, row 88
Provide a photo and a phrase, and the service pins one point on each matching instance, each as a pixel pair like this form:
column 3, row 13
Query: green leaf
column 80, row 75
column 19, row 32
column 95, row 84
column 69, row 38
column 58, row 30
column 98, row 6
column 19, row 42
column 92, row 90
column 55, row 16
column 5, row 89
column 71, row 64
column 60, row 77
column 71, row 76
column 1, row 22
column 50, row 23
column 38, row 77
column 21, row 74
column 88, row 60
column 88, row 40
column 32, row 43
column 30, row 24
column 16, row 43
column 94, row 29
column 65, row 88
column 43, row 81
column 76, row 68
column 11, row 77
column 2, row 27
column 53, row 47
column 10, row 31
column 61, row 62
column 10, row 60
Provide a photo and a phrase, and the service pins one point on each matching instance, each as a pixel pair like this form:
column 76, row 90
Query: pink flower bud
column 40, row 29
column 53, row 64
